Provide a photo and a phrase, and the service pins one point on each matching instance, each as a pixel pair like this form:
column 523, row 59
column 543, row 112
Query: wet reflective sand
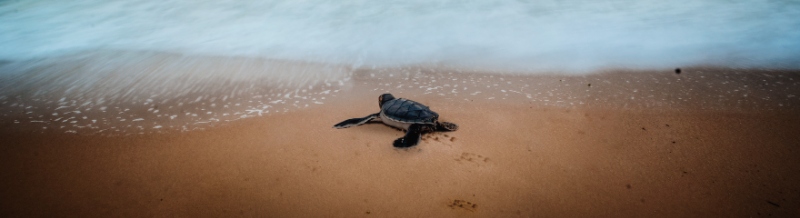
column 152, row 93
column 703, row 143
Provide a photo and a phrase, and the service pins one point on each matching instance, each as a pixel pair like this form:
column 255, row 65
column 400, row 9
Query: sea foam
column 521, row 35
column 135, row 67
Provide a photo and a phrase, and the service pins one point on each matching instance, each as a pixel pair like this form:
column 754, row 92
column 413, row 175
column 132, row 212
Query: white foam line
column 255, row 110
column 137, row 119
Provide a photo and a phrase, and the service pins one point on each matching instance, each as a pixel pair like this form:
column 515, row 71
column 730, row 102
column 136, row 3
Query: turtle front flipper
column 411, row 138
column 356, row 121
column 446, row 126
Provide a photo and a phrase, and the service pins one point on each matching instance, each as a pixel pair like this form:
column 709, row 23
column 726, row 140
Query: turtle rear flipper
column 446, row 126
column 411, row 138
column 356, row 121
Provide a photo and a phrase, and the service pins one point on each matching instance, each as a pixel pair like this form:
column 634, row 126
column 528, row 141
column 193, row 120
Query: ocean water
column 571, row 35
column 136, row 67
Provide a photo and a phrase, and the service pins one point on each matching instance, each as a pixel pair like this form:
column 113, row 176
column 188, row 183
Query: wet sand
column 513, row 156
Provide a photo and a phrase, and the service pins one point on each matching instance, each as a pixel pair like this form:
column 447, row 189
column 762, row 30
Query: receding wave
column 128, row 67
column 133, row 92
column 522, row 35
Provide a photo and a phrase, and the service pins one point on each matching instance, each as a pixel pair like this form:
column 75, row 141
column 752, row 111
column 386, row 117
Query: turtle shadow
column 429, row 135
column 380, row 122
column 426, row 130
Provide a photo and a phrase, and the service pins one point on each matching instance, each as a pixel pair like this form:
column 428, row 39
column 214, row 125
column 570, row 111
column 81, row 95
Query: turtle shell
column 408, row 111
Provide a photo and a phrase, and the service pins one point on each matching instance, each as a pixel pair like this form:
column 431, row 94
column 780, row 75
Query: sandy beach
column 660, row 145
column 565, row 108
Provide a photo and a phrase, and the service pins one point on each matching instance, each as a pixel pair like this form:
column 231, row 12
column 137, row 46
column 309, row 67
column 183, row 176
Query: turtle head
column 384, row 98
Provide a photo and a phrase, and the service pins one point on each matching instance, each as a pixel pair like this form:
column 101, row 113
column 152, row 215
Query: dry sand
column 511, row 157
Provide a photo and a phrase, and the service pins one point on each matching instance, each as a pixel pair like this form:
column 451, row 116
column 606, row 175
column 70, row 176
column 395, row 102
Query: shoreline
column 139, row 108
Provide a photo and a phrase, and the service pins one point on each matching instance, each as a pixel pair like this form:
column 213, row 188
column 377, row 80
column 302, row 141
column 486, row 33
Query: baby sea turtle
column 404, row 114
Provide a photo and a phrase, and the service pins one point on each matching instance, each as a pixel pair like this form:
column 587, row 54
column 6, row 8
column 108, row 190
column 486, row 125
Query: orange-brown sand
column 508, row 159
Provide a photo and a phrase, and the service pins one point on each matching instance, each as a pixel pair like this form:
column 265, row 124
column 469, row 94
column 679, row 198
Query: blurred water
column 524, row 35
column 134, row 67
